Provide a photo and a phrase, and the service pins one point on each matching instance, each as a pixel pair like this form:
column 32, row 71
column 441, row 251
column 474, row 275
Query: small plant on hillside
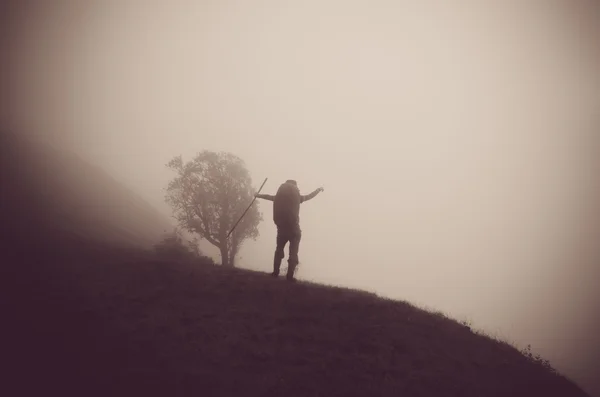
column 536, row 358
column 173, row 247
column 194, row 247
column 467, row 324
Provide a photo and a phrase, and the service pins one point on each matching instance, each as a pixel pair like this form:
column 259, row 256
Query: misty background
column 457, row 143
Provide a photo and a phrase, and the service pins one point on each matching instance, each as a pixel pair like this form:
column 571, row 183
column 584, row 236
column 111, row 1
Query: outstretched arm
column 311, row 195
column 265, row 197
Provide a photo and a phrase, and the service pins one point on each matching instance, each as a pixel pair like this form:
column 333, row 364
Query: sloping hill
column 83, row 315
column 112, row 322
column 53, row 192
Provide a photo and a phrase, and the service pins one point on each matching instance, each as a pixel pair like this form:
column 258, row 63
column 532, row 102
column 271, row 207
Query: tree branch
column 196, row 224
column 208, row 235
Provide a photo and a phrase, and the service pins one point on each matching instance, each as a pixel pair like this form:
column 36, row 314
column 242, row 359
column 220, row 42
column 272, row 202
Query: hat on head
column 292, row 182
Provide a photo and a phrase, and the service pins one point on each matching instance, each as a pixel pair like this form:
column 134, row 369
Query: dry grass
column 125, row 323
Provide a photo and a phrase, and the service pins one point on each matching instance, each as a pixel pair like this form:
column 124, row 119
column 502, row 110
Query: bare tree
column 209, row 194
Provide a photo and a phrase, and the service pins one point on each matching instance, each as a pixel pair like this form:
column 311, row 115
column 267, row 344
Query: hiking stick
column 261, row 186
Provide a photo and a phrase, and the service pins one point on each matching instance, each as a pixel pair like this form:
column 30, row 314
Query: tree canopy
column 209, row 194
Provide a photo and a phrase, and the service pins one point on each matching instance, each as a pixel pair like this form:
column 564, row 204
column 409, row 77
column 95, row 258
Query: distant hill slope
column 48, row 191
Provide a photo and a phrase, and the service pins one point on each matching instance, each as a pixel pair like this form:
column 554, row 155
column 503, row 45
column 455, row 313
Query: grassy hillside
column 118, row 322
column 82, row 315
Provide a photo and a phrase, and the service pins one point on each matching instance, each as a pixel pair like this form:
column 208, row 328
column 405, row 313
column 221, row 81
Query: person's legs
column 293, row 260
column 282, row 240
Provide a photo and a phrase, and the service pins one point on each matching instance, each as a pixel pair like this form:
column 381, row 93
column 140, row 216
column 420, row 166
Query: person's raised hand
column 321, row 189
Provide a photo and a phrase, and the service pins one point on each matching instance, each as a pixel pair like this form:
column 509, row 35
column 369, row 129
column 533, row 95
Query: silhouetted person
column 286, row 209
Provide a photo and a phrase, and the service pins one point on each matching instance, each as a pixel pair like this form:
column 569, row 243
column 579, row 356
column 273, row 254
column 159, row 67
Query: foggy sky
column 457, row 143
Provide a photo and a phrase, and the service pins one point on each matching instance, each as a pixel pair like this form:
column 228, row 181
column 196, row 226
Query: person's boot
column 276, row 267
column 290, row 273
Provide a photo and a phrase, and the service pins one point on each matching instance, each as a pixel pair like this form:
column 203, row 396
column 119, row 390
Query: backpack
column 286, row 205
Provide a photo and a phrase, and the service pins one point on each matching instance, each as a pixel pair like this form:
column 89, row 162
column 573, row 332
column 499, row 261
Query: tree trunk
column 233, row 251
column 225, row 256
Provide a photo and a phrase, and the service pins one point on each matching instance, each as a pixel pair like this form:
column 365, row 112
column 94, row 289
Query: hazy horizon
column 457, row 145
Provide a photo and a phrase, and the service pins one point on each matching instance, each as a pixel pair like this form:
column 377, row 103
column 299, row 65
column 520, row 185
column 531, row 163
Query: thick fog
column 457, row 142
